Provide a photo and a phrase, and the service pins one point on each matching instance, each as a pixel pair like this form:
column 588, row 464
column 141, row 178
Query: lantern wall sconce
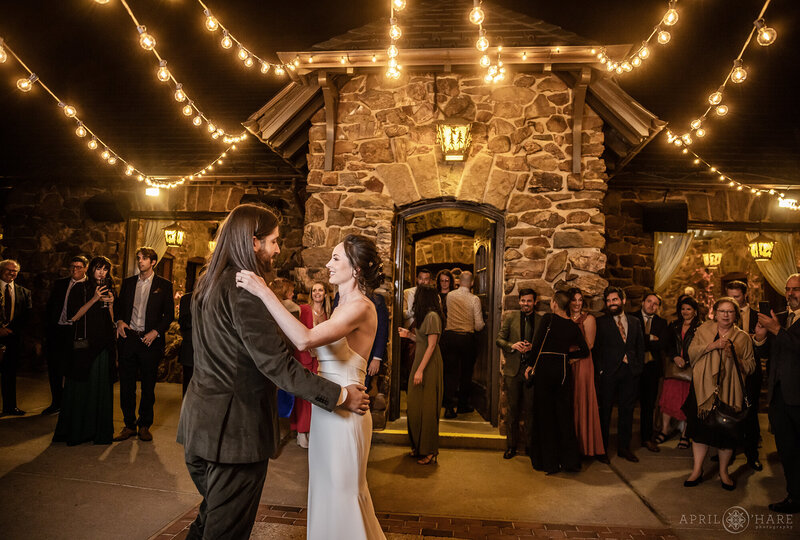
column 174, row 235
column 761, row 248
column 455, row 137
column 712, row 259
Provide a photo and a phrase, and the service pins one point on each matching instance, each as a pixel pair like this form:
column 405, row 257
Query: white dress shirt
column 140, row 303
column 408, row 306
column 63, row 319
column 464, row 313
column 13, row 297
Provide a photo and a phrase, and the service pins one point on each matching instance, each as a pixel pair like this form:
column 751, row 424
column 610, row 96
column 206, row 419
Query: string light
column 226, row 42
column 766, row 35
column 395, row 33
column 146, row 41
column 3, row 54
column 163, row 73
column 212, row 24
column 476, row 15
column 738, row 74
column 180, row 96
column 26, row 85
column 80, row 131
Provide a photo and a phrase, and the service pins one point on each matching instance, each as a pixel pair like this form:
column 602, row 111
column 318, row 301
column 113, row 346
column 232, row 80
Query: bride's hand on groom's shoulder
column 250, row 282
column 357, row 399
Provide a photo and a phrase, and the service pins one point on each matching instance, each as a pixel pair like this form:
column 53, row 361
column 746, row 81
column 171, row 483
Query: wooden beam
column 331, row 95
column 578, row 101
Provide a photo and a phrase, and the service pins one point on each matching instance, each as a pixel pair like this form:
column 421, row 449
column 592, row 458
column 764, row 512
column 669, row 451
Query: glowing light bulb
column 697, row 161
column 3, row 55
column 112, row 160
column 129, row 170
column 721, row 110
column 187, row 109
column 696, row 123
column 374, row 58
column 399, row 5
column 618, row 69
column 343, row 60
column 685, row 151
column 92, row 144
column 394, row 31
column 296, row 62
column 525, row 55
column 226, row 41
column 163, row 72
column 392, row 51
column 687, row 138
column 700, row 132
column 26, row 85
column 626, row 66
column 80, row 131
column 197, row 120
column 211, row 22
column 242, row 53
column 180, row 95
column 485, row 61
column 644, row 52
column 482, row 44
column 671, row 16
column 766, row 35
column 211, row 128
column 105, row 154
column 151, row 191
column 716, row 97
column 476, row 16
column 739, row 74
column 146, row 41
column 101, row 2
column 636, row 62
column 69, row 111
column 279, row 70
column 264, row 68
column 664, row 37
column 249, row 62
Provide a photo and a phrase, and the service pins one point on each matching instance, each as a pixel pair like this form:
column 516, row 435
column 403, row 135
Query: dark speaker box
column 665, row 217
column 108, row 207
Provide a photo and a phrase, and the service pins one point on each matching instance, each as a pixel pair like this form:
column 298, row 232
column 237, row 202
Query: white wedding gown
column 339, row 503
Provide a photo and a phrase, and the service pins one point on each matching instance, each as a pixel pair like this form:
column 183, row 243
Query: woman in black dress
column 558, row 340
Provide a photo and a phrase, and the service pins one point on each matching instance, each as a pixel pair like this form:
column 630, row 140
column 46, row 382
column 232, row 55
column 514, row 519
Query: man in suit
column 146, row 311
column 618, row 360
column 515, row 337
column 60, row 332
column 779, row 338
column 15, row 309
column 408, row 347
column 229, row 421
column 656, row 334
column 186, row 356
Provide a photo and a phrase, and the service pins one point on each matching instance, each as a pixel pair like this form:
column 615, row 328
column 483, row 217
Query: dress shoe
column 124, row 435
column 144, row 434
column 52, row 409
column 625, row 453
column 696, row 482
column 755, row 464
column 509, row 453
column 12, row 412
column 650, row 445
column 449, row 412
column 727, row 487
column 302, row 440
column 786, row 506
column 602, row 458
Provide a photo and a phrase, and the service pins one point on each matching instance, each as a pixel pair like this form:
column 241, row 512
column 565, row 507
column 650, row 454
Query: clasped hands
column 357, row 399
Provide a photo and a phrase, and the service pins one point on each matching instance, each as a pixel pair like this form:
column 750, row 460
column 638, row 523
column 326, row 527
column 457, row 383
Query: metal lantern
column 761, row 248
column 454, row 138
column 174, row 235
column 712, row 259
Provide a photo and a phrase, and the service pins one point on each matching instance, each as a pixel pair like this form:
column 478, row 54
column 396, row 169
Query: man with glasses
column 58, row 330
column 778, row 336
column 15, row 309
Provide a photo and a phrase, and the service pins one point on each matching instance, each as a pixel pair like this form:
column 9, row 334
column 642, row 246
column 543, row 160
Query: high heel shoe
column 695, row 482
column 727, row 487
column 430, row 459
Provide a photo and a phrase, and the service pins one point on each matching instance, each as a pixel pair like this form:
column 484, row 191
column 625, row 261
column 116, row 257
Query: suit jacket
column 381, row 342
column 160, row 311
column 508, row 335
column 186, row 356
column 55, row 303
column 609, row 349
column 751, row 322
column 230, row 412
column 783, row 351
column 659, row 328
column 23, row 307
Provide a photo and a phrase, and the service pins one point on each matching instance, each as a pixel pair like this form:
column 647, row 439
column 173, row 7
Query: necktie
column 647, row 322
column 623, row 334
column 7, row 303
column 789, row 320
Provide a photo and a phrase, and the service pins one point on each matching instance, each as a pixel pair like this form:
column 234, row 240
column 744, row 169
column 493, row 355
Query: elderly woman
column 721, row 355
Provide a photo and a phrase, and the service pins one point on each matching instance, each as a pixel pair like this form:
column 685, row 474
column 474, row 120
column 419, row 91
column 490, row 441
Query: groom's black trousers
column 231, row 492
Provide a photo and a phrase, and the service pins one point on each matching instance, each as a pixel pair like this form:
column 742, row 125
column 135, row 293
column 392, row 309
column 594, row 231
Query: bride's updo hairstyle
column 363, row 257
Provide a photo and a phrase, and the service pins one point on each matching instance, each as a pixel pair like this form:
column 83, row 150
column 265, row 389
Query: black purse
column 551, row 373
column 723, row 417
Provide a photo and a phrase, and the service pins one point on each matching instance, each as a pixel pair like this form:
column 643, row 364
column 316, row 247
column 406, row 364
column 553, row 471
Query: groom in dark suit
column 618, row 360
column 147, row 308
column 15, row 310
column 229, row 421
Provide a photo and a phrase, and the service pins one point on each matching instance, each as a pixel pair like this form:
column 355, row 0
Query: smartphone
column 764, row 309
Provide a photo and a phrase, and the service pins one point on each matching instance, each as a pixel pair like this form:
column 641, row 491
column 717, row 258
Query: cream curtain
column 153, row 237
column 783, row 263
column 670, row 250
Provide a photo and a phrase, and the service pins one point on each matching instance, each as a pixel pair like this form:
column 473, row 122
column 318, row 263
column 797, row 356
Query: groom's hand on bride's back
column 357, row 399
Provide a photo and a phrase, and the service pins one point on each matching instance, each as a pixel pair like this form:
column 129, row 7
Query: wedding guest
column 15, row 310
column 425, row 382
column 586, row 410
column 554, row 446
column 721, row 356
column 655, row 338
column 146, row 310
column 59, row 331
column 779, row 339
column 407, row 352
column 316, row 311
column 464, row 320
column 444, row 282
column 678, row 370
column 284, row 289
column 514, row 338
column 186, row 356
column 87, row 412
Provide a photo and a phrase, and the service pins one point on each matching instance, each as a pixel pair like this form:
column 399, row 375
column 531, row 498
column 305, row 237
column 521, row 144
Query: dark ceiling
column 88, row 54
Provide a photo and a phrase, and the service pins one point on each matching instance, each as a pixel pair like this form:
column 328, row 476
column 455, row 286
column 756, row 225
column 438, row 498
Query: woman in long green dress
column 87, row 411
column 425, row 380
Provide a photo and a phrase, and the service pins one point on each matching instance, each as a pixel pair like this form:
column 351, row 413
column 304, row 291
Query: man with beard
column 779, row 338
column 619, row 360
column 229, row 419
column 515, row 337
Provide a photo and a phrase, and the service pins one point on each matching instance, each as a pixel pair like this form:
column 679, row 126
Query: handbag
column 561, row 356
column 722, row 416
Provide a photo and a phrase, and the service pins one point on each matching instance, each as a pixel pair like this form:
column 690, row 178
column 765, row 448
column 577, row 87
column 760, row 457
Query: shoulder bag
column 722, row 416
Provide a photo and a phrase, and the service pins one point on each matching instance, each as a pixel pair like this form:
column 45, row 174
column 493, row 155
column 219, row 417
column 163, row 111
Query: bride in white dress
column 339, row 503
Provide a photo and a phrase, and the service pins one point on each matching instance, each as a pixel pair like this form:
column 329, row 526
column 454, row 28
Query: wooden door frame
column 496, row 283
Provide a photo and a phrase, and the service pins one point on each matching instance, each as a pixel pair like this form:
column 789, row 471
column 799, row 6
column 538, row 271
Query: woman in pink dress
column 587, row 414
column 316, row 311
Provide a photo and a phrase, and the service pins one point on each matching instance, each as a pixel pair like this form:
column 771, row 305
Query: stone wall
column 445, row 248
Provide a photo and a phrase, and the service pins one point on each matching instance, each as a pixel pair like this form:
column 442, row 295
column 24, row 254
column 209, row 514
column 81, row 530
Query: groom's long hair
column 235, row 246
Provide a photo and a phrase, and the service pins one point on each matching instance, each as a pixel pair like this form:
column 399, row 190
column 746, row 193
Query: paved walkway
column 136, row 490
